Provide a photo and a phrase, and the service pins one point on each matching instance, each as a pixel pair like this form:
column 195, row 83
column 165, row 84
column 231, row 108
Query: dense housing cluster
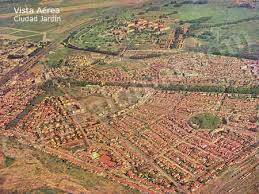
column 14, row 53
column 181, row 68
column 15, row 93
column 15, row 96
column 151, row 146
column 110, row 116
column 131, row 96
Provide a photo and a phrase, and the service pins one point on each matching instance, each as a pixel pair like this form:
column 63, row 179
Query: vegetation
column 205, row 121
column 146, row 56
column 254, row 91
column 9, row 161
column 45, row 190
column 219, row 28
column 54, row 59
column 51, row 88
column 218, row 89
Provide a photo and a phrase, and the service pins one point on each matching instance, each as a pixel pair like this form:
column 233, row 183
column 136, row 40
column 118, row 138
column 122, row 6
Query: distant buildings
column 247, row 3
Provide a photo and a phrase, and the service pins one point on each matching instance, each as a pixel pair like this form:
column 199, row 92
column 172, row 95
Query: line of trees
column 93, row 49
column 217, row 89
column 195, row 25
column 174, row 87
column 146, row 56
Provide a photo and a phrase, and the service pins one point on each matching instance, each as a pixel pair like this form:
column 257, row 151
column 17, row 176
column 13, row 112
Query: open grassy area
column 9, row 161
column 17, row 33
column 205, row 121
column 54, row 58
column 102, row 66
column 221, row 28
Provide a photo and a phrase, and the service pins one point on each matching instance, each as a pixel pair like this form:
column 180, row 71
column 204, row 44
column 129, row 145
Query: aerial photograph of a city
column 129, row 96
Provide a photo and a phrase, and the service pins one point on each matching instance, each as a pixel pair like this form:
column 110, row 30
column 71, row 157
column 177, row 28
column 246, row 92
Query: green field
column 53, row 59
column 205, row 121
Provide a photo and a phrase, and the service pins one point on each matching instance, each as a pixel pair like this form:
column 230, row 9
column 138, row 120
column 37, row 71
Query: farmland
column 73, row 14
column 216, row 27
